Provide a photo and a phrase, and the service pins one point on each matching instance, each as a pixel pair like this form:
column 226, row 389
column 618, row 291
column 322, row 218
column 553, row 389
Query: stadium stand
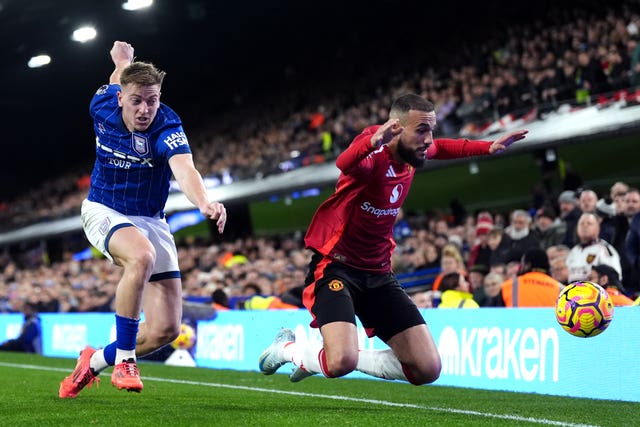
column 527, row 76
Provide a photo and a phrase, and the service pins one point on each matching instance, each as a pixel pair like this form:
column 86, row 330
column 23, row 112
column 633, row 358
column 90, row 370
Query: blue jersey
column 131, row 174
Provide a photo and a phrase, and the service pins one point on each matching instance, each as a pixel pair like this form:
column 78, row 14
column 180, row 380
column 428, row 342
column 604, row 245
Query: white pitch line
column 509, row 417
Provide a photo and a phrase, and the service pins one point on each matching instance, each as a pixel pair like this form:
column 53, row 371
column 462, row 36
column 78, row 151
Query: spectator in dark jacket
column 569, row 215
column 29, row 340
column 519, row 230
column 546, row 229
column 632, row 244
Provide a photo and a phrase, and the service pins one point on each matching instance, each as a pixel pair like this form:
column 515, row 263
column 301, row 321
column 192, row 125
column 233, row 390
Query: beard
column 517, row 234
column 410, row 156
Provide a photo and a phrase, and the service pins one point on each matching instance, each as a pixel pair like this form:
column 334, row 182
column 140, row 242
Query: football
column 187, row 338
column 584, row 309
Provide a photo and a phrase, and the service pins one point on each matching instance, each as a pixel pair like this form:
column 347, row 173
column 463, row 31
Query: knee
column 163, row 335
column 143, row 261
column 146, row 259
column 425, row 373
column 342, row 363
column 428, row 376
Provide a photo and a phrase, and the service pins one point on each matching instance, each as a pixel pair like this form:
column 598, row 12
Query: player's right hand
column 216, row 212
column 386, row 133
column 121, row 53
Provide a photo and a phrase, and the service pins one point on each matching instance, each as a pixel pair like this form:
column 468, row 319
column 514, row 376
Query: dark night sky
column 213, row 52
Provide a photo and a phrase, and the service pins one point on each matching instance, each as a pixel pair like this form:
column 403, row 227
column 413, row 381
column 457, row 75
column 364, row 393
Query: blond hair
column 452, row 251
column 141, row 74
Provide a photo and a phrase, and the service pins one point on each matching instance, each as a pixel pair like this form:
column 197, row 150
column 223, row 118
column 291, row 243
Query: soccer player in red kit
column 351, row 238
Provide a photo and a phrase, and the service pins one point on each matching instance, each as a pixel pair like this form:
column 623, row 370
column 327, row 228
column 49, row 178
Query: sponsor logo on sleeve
column 176, row 139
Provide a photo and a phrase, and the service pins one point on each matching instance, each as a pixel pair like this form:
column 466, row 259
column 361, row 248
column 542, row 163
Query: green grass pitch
column 204, row 397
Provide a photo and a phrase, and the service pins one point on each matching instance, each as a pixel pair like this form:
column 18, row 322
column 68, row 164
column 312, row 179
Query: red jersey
column 355, row 225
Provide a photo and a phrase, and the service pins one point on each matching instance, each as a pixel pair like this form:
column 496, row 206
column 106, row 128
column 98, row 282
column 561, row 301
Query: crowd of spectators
column 483, row 251
column 530, row 71
column 590, row 233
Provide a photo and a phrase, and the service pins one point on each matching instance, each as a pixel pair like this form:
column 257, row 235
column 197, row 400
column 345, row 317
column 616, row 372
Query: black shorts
column 336, row 292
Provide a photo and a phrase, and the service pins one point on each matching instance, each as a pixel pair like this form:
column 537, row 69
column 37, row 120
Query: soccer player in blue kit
column 140, row 144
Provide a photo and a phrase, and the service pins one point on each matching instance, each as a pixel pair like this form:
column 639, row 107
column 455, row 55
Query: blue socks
column 126, row 332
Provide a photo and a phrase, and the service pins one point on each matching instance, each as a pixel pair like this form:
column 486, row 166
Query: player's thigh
column 129, row 243
column 340, row 340
column 162, row 305
column 112, row 233
column 385, row 309
column 158, row 232
column 415, row 346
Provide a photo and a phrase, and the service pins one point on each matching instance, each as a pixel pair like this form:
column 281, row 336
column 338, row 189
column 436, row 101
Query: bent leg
column 162, row 306
column 417, row 353
column 336, row 356
column 134, row 252
column 130, row 249
column 396, row 320
column 340, row 352
column 413, row 357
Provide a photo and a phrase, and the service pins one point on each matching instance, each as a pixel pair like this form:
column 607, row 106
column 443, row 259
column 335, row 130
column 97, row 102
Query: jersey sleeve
column 173, row 141
column 445, row 148
column 105, row 96
column 352, row 158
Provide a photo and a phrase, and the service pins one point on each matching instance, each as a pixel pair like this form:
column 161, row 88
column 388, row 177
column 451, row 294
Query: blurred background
column 270, row 93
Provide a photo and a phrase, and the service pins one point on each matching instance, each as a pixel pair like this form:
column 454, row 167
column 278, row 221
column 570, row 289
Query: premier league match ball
column 186, row 339
column 584, row 309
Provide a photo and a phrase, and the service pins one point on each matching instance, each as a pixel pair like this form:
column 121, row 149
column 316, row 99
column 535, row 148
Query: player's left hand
column 216, row 211
column 501, row 144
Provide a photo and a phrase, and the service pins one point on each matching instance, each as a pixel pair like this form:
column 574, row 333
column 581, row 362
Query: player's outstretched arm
column 191, row 184
column 121, row 55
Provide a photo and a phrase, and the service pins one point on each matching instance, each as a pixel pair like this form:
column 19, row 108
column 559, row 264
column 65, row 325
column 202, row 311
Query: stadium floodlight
column 84, row 34
column 136, row 4
column 39, row 61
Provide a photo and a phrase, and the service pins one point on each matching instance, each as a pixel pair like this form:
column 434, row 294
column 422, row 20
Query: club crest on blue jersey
column 102, row 90
column 140, row 144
